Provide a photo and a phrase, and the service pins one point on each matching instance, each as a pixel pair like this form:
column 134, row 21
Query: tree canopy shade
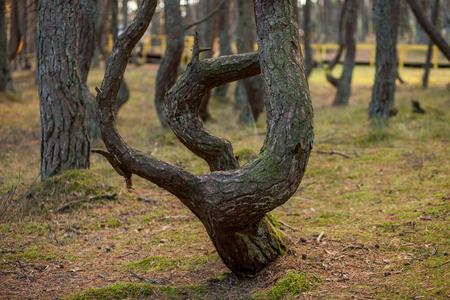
column 231, row 202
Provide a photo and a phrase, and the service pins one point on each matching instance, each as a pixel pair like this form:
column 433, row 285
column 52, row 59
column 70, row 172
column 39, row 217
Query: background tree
column 249, row 90
column 223, row 29
column 434, row 19
column 87, row 35
column 168, row 67
column 383, row 91
column 124, row 92
column 231, row 204
column 307, row 36
column 3, row 47
column 15, row 41
column 64, row 136
column 432, row 32
column 343, row 84
column 24, row 13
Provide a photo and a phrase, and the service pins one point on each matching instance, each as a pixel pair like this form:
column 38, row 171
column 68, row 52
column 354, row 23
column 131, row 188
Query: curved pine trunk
column 231, row 202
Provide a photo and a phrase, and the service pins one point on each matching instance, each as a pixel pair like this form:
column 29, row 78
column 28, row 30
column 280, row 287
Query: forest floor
column 383, row 209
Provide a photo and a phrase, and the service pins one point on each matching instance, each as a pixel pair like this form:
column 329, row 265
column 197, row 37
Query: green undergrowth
column 131, row 290
column 290, row 287
column 162, row 263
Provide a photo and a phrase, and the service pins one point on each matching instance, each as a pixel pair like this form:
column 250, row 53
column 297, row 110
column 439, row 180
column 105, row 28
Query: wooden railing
column 156, row 45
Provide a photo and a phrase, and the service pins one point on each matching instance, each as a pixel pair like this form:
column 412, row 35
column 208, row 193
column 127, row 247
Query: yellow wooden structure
column 156, row 44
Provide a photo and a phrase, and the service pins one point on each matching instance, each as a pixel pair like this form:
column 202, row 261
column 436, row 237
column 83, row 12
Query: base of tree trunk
column 246, row 251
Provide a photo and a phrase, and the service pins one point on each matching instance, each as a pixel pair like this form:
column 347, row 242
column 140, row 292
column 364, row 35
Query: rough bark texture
column 64, row 136
column 434, row 19
column 343, row 84
column 3, row 47
column 231, row 204
column 383, row 92
column 124, row 92
column 224, row 42
column 87, row 34
column 250, row 90
column 307, row 36
column 431, row 30
column 168, row 68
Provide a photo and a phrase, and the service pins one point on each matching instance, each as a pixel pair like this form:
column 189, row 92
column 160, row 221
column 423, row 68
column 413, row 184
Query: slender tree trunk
column 383, row 92
column 232, row 204
column 432, row 32
column 250, row 89
column 343, row 84
column 168, row 67
column 87, row 34
column 326, row 20
column 64, row 135
column 224, row 42
column 307, row 37
column 364, row 20
column 36, row 36
column 125, row 13
column 434, row 19
column 15, row 41
column 207, row 33
column 124, row 93
column 4, row 62
column 25, row 29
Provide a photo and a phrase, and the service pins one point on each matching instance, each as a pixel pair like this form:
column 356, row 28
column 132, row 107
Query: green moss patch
column 131, row 290
column 290, row 286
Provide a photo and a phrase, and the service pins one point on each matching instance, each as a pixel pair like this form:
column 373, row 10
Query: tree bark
column 250, row 89
column 25, row 29
column 168, row 67
column 431, row 30
column 427, row 66
column 307, row 37
column 383, row 91
column 343, row 84
column 232, row 203
column 4, row 62
column 64, row 136
column 15, row 41
column 124, row 92
column 87, row 34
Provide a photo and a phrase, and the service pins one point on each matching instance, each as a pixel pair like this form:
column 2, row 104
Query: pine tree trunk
column 434, row 19
column 250, row 89
column 307, row 36
column 168, row 67
column 64, row 135
column 343, row 92
column 224, row 42
column 4, row 62
column 87, row 34
column 383, row 92
column 231, row 203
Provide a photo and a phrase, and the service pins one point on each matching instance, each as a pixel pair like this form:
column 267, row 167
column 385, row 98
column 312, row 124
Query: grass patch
column 131, row 290
column 161, row 263
column 290, row 287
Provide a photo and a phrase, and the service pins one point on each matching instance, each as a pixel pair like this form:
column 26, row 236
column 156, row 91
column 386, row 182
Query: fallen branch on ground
column 332, row 152
column 65, row 206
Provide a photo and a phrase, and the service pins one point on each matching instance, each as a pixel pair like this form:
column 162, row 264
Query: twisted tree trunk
column 343, row 83
column 231, row 202
column 434, row 19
